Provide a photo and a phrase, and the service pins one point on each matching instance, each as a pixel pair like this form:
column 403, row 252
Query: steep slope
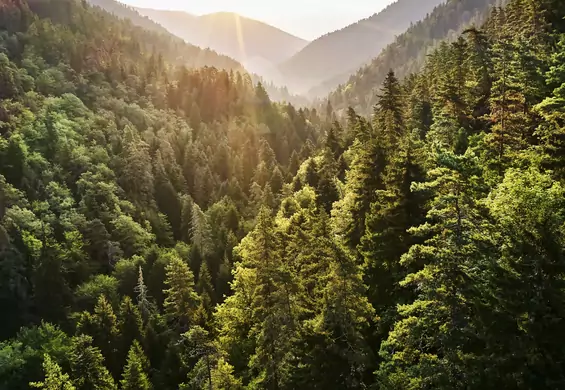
column 110, row 154
column 257, row 45
column 345, row 50
column 169, row 45
column 408, row 52
column 125, row 12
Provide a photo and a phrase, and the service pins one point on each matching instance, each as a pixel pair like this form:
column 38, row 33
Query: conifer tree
column 130, row 326
column 362, row 180
column 527, row 284
column 507, row 104
column 552, row 109
column 332, row 350
column 388, row 118
column 87, row 366
column 143, row 299
column 135, row 375
column 181, row 300
column 205, row 290
column 433, row 344
column 396, row 209
column 102, row 325
column 264, row 318
column 55, row 379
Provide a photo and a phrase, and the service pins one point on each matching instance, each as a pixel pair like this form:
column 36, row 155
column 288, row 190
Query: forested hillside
column 123, row 11
column 171, row 46
column 172, row 228
column 123, row 174
column 407, row 54
column 346, row 50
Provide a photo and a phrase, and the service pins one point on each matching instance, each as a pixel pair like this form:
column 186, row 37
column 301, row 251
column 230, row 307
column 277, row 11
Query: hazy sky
column 305, row 18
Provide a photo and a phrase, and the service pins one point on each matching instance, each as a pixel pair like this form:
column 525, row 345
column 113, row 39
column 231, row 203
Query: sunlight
column 239, row 33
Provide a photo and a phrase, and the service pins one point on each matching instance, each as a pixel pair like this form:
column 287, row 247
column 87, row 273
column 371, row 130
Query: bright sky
column 307, row 19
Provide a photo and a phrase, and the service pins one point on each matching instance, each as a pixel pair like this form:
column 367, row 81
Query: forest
column 168, row 225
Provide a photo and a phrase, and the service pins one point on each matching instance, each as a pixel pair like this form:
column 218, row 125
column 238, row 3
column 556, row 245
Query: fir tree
column 55, row 379
column 181, row 300
column 135, row 375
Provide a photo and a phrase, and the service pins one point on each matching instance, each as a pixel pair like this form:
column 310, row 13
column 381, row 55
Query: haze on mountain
column 407, row 54
column 342, row 52
column 257, row 45
column 167, row 43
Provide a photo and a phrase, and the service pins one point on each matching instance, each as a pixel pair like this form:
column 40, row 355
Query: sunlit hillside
column 258, row 46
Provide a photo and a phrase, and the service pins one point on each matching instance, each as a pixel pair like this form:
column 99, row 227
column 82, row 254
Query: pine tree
column 294, row 164
column 332, row 350
column 135, row 375
column 130, row 326
column 277, row 180
column 102, row 325
column 181, row 300
column 87, row 366
column 362, row 180
column 200, row 233
column 507, row 104
column 526, row 282
column 552, row 109
column 396, row 209
column 207, row 295
column 388, row 113
column 198, row 346
column 143, row 299
column 55, row 379
column 264, row 318
column 433, row 344
column 326, row 188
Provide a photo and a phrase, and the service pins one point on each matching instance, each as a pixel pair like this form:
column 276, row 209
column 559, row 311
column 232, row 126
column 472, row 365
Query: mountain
column 258, row 46
column 345, row 50
column 126, row 12
column 408, row 52
column 168, row 44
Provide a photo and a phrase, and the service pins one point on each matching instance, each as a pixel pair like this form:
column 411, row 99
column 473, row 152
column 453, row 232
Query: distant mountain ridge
column 175, row 48
column 257, row 45
column 408, row 53
column 344, row 51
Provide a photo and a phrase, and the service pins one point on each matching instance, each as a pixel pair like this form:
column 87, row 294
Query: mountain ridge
column 257, row 45
column 356, row 44
column 191, row 55
column 407, row 53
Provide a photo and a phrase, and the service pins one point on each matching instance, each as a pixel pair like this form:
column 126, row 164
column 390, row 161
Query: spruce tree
column 181, row 300
column 87, row 366
column 135, row 375
column 55, row 379
column 262, row 322
column 433, row 344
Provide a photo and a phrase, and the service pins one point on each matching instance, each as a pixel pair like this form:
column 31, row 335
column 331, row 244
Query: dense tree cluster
column 165, row 227
column 126, row 180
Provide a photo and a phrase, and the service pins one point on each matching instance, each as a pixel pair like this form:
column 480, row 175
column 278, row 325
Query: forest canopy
column 166, row 225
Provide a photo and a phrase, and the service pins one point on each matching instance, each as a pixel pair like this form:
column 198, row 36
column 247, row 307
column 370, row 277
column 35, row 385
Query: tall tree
column 87, row 366
column 135, row 375
column 55, row 379
column 181, row 300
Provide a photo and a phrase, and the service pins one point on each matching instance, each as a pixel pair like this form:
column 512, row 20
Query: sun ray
column 240, row 39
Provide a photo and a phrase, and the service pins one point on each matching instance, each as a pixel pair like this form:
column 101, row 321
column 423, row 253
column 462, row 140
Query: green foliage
column 190, row 233
column 181, row 300
column 54, row 377
column 135, row 371
column 87, row 366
